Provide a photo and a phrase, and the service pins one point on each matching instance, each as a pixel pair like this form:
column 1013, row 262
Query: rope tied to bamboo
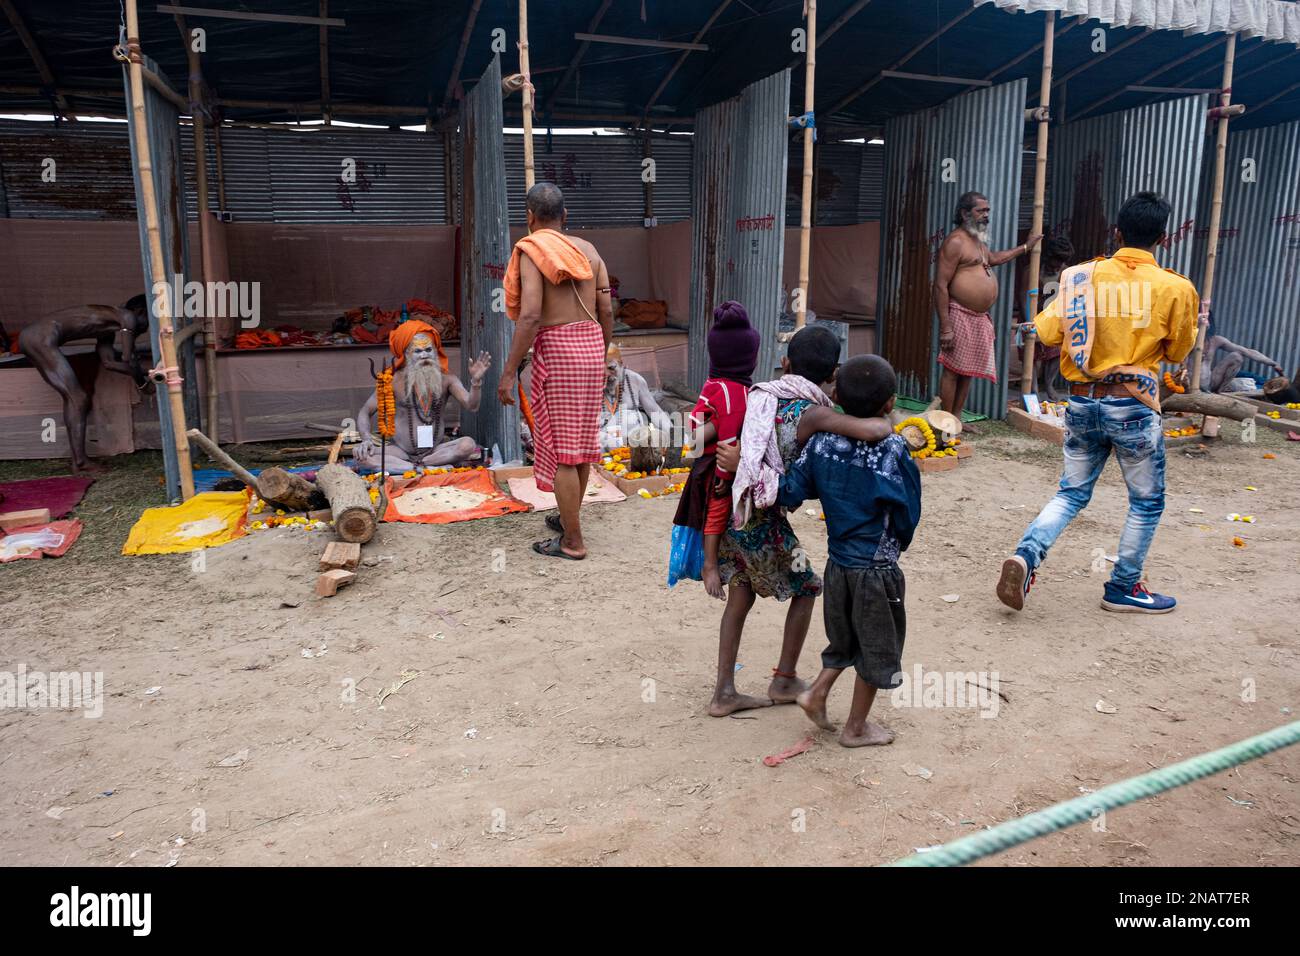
column 170, row 374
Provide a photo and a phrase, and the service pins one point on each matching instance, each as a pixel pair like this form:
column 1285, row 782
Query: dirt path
column 557, row 715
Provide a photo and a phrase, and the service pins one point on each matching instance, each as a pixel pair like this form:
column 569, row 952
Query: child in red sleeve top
column 705, row 508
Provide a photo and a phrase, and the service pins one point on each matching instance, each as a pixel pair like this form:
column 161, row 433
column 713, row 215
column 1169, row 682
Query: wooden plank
column 22, row 519
column 243, row 15
column 329, row 582
column 344, row 555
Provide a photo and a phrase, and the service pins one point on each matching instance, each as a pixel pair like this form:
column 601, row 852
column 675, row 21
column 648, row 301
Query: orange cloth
column 400, row 339
column 495, row 502
column 257, row 340
column 555, row 256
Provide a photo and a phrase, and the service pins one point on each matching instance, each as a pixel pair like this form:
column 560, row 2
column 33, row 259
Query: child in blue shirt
column 871, row 495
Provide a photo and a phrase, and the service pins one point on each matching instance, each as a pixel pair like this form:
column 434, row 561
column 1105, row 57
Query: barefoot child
column 759, row 556
column 705, row 508
column 871, row 494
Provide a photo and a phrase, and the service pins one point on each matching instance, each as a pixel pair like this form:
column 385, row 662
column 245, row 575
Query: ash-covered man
column 628, row 405
column 421, row 385
column 115, row 331
column 965, row 288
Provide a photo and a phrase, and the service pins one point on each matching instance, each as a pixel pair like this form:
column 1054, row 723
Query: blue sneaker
column 1137, row 601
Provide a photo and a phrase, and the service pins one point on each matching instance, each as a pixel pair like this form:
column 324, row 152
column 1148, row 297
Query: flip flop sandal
column 552, row 549
column 555, row 524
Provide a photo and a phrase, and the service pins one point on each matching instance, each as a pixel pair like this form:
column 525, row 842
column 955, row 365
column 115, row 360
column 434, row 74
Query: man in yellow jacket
column 1116, row 320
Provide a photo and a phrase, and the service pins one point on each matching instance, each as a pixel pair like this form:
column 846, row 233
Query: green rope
column 1061, row 815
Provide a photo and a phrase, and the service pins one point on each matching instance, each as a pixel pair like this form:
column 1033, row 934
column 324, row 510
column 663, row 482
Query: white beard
column 979, row 232
column 423, row 382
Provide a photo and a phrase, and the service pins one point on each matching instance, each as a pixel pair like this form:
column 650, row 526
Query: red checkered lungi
column 971, row 353
column 568, row 382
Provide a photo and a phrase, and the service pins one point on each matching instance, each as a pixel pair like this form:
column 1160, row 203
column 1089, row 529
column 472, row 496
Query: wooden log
column 290, row 490
column 274, row 484
column 349, row 498
column 1209, row 403
column 220, row 457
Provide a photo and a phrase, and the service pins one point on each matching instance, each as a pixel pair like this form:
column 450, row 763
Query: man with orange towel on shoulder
column 557, row 293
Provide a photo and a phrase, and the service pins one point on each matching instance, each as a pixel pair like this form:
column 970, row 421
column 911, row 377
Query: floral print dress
column 765, row 554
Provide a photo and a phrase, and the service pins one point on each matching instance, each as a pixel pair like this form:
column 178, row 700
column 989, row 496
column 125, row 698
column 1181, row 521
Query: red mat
column 60, row 495
column 23, row 543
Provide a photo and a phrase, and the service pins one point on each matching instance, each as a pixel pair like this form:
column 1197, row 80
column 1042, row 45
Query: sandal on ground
column 555, row 524
column 553, row 549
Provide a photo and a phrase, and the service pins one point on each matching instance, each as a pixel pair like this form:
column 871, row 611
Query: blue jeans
column 1093, row 428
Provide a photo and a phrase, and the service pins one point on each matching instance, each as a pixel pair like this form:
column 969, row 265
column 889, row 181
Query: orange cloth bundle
column 257, row 340
column 555, row 256
column 642, row 314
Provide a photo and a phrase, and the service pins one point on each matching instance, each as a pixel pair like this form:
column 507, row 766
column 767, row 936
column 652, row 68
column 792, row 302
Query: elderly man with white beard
column 421, row 387
column 965, row 288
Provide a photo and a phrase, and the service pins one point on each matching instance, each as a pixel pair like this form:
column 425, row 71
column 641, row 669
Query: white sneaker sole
column 1130, row 609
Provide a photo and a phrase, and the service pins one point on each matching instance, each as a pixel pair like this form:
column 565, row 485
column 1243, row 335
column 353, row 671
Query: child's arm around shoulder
column 798, row 484
column 820, row 418
column 906, row 509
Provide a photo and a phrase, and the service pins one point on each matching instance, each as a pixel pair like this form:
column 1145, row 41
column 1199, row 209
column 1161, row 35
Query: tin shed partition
column 1257, row 281
column 1098, row 163
column 484, row 252
column 738, row 224
column 972, row 142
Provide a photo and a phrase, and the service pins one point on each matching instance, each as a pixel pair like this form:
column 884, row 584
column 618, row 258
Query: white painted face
column 421, row 352
column 611, row 373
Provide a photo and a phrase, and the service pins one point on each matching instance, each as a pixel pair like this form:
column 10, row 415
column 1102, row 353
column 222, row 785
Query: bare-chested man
column 557, row 291
column 421, row 386
column 1222, row 359
column 965, row 288
column 115, row 332
column 627, row 406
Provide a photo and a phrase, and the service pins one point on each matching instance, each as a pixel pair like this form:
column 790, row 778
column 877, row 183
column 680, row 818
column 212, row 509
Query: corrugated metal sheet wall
column 295, row 176
column 91, row 170
column 738, row 233
column 982, row 132
column 1097, row 163
column 1257, row 277
column 485, row 249
column 849, row 182
column 601, row 177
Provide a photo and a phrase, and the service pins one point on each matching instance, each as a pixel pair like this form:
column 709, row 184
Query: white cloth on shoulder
column 758, row 478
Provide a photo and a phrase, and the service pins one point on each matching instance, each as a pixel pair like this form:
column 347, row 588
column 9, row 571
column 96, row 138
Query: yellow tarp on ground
column 205, row 521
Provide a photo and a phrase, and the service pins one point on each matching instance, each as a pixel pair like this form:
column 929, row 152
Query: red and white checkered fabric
column 568, row 382
column 971, row 353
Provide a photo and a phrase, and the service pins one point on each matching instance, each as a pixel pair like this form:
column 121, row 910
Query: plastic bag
column 685, row 555
column 25, row 542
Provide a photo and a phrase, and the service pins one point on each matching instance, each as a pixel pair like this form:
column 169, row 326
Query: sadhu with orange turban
column 409, row 401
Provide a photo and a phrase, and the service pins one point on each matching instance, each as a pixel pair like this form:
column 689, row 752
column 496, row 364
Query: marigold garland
column 924, row 427
column 385, row 404
column 1172, row 385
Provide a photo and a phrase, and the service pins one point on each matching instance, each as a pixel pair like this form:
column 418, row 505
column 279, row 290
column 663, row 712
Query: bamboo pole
column 1040, row 185
column 205, row 232
column 528, row 95
column 805, row 201
column 1216, row 210
column 157, row 264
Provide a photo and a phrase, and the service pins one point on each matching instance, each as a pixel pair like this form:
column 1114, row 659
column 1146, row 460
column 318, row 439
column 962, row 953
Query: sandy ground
column 558, row 712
